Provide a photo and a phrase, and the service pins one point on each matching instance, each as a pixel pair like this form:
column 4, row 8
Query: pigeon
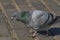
column 36, row 19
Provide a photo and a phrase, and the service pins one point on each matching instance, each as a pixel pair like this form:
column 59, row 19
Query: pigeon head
column 21, row 16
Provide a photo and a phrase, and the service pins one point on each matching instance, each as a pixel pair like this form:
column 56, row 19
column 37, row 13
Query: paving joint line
column 17, row 7
column 57, row 2
column 4, row 35
column 30, row 5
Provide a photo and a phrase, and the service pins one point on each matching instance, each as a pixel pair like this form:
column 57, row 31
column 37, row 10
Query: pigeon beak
column 12, row 18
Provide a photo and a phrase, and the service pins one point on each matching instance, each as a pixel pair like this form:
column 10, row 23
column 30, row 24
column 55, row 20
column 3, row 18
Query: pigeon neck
column 23, row 17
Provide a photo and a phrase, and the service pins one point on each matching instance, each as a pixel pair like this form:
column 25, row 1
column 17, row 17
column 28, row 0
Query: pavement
column 14, row 30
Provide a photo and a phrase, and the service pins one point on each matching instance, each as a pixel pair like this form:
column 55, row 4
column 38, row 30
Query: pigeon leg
column 34, row 34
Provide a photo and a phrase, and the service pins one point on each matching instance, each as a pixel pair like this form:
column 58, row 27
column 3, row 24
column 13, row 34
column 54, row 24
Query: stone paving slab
column 53, row 6
column 5, row 1
column 21, row 2
column 8, row 6
column 5, row 38
column 23, row 34
column 38, row 5
column 42, row 37
column 22, row 5
column 58, row 0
